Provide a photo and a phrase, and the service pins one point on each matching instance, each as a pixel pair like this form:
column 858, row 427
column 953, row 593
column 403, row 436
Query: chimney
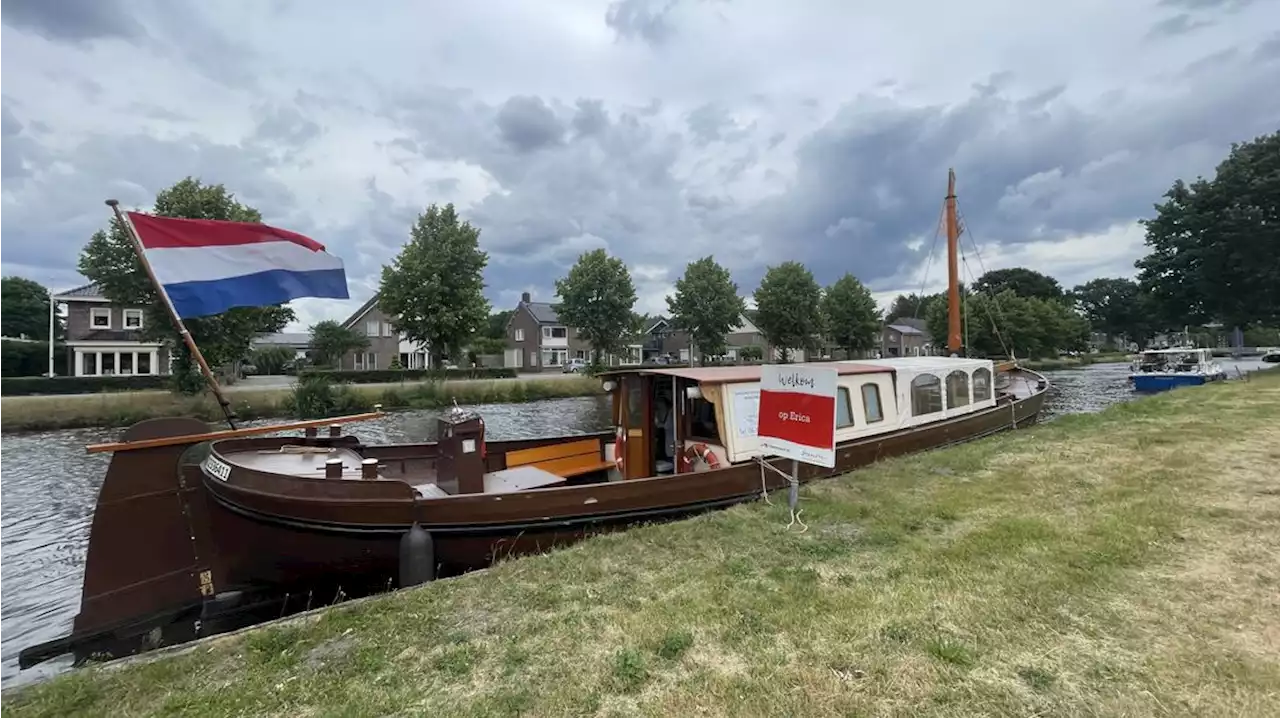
column 524, row 298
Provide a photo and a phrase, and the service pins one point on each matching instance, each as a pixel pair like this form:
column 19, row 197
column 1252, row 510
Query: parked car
column 574, row 366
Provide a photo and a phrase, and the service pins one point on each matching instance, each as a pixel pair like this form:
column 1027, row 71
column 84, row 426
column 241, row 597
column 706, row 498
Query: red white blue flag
column 209, row 266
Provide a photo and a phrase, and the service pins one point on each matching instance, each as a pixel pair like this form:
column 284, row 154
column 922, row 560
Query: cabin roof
column 751, row 372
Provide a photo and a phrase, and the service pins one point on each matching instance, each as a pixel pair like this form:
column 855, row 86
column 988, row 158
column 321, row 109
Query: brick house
column 386, row 345
column 663, row 340
column 905, row 337
column 105, row 339
column 538, row 341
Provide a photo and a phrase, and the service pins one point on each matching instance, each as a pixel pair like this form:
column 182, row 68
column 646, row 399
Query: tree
column 1115, row 307
column 850, row 315
column 910, row 306
column 706, row 305
column 497, row 328
column 1021, row 281
column 1026, row 326
column 109, row 261
column 330, row 341
column 1213, row 243
column 25, row 305
column 788, row 307
column 597, row 297
column 435, row 287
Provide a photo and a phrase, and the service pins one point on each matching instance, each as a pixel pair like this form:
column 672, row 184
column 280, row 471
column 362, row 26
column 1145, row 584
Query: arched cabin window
column 871, row 408
column 926, row 395
column 982, row 385
column 844, row 409
column 957, row 389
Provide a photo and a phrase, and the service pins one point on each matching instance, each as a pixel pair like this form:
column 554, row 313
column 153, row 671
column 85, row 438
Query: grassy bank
column 1073, row 362
column 29, row 413
column 1113, row 564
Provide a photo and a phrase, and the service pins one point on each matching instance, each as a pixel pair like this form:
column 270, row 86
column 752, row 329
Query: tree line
column 1213, row 256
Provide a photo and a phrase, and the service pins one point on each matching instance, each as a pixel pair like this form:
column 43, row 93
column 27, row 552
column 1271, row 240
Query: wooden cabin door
column 637, row 423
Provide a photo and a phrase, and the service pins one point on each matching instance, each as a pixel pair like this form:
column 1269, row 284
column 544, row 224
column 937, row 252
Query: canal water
column 47, row 499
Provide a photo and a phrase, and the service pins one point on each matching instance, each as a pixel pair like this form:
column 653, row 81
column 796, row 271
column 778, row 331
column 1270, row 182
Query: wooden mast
column 954, row 342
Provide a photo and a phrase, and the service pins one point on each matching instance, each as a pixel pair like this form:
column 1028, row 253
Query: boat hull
column 249, row 547
column 1164, row 382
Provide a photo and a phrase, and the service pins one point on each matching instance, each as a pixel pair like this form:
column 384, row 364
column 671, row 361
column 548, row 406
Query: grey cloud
column 1022, row 176
column 527, row 124
column 643, row 19
column 54, row 216
column 1195, row 5
column 74, row 20
column 284, row 129
column 590, row 118
column 1181, row 24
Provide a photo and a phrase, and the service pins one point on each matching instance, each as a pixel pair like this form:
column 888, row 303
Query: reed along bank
column 1119, row 563
column 72, row 411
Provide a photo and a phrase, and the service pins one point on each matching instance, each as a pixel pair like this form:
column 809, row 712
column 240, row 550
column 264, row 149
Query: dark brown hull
column 472, row 531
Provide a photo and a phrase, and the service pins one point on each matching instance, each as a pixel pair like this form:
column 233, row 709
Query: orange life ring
column 619, row 448
column 700, row 451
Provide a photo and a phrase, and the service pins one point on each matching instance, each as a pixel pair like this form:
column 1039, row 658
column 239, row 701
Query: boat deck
column 309, row 463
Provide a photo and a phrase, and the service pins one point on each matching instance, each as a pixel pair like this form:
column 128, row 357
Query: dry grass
column 1126, row 563
column 32, row 413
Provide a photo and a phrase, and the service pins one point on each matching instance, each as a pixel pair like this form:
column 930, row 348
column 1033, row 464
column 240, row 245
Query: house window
column 555, row 357
column 144, row 363
column 371, row 328
column 519, row 335
column 957, row 389
column 982, row 385
column 871, row 407
column 386, row 329
column 555, row 333
column 926, row 395
column 366, row 361
column 580, row 354
column 844, row 409
column 100, row 317
column 133, row 319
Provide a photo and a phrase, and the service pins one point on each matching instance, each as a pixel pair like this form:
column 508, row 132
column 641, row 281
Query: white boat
column 1161, row 369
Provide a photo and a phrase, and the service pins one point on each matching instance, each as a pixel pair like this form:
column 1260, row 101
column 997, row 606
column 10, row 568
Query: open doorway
column 665, row 411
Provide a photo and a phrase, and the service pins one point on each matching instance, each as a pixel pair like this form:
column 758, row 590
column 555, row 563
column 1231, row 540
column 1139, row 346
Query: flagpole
column 173, row 313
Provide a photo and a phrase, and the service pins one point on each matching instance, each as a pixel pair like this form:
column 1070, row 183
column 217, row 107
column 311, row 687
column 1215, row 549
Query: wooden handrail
column 229, row 433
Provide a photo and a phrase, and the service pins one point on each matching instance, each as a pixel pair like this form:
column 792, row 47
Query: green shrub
column 31, row 385
column 31, row 358
column 318, row 397
column 393, row 375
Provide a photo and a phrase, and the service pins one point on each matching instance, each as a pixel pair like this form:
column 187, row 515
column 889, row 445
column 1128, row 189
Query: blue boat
column 1164, row 369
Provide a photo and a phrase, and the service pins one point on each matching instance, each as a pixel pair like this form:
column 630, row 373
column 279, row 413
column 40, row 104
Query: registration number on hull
column 216, row 467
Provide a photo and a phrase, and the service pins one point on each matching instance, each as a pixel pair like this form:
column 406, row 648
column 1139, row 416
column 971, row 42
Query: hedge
column 378, row 376
column 31, row 358
column 30, row 385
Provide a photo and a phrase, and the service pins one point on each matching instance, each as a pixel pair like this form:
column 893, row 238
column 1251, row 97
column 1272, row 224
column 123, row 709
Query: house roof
column 363, row 310
column 543, row 312
column 87, row 291
column 905, row 329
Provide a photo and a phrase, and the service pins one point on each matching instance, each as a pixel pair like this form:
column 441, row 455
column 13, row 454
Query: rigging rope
column 981, row 265
column 937, row 230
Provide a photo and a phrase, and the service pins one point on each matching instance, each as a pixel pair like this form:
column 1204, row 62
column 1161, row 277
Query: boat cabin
column 680, row 420
column 1178, row 360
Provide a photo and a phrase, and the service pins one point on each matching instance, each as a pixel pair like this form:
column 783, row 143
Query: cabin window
column 982, row 385
column 926, row 395
column 957, row 389
column 635, row 403
column 844, row 409
column 871, row 403
column 701, row 421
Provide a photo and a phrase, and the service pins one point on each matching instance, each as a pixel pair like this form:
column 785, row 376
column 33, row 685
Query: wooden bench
column 569, row 459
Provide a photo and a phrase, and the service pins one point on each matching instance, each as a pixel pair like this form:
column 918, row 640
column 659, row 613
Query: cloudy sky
column 665, row 130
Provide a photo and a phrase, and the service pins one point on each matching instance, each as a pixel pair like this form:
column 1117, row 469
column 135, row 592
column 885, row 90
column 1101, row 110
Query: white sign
column 746, row 412
column 797, row 414
column 216, row 468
